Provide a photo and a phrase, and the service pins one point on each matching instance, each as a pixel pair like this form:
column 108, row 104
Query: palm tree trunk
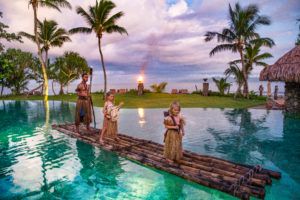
column 46, row 58
column 2, row 88
column 61, row 89
column 53, row 87
column 238, row 91
column 228, row 91
column 42, row 89
column 246, row 88
column 245, row 92
column 46, row 87
column 103, row 67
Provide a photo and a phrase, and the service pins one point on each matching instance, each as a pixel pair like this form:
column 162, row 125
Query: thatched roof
column 286, row 69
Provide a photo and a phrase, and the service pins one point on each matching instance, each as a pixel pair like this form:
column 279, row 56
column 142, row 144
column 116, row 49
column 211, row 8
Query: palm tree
column 242, row 30
column 253, row 57
column 159, row 88
column 221, row 84
column 49, row 36
column 50, row 4
column 58, row 75
column 98, row 20
column 238, row 76
column 67, row 68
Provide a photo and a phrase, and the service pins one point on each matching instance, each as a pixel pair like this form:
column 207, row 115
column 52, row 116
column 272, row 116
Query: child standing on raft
column 110, row 121
column 174, row 123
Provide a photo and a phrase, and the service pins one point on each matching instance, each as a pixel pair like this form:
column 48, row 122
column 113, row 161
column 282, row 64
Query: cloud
column 180, row 8
column 165, row 37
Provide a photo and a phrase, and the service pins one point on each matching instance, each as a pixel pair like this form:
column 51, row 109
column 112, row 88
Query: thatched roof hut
column 286, row 69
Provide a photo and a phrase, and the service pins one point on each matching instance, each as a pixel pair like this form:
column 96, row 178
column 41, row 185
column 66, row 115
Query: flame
column 140, row 79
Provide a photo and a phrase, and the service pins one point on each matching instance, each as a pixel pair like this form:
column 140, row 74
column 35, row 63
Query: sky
column 165, row 41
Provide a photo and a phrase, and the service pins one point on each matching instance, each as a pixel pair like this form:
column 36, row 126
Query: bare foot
column 169, row 161
column 101, row 141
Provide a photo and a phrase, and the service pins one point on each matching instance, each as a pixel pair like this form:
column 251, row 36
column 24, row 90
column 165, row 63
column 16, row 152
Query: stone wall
column 292, row 97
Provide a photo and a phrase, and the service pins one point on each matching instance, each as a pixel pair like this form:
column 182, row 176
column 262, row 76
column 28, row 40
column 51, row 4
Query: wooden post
column 205, row 88
column 140, row 88
column 269, row 92
column 92, row 104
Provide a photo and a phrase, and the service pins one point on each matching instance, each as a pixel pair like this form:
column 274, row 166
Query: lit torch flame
column 140, row 79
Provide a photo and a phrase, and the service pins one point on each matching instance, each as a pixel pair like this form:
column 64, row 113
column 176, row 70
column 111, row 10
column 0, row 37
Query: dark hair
column 108, row 94
column 84, row 74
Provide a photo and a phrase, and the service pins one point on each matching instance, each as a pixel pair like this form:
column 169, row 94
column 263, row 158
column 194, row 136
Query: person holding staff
column 83, row 104
column 111, row 116
column 174, row 124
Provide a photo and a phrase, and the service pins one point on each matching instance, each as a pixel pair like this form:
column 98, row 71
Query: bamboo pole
column 207, row 160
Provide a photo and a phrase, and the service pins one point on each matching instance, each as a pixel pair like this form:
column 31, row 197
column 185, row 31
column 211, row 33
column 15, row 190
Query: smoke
column 152, row 50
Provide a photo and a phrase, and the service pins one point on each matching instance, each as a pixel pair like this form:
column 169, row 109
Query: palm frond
column 27, row 35
column 80, row 30
column 268, row 42
column 220, row 37
column 55, row 4
column 113, row 19
column 236, row 72
column 159, row 88
column 221, row 84
column 104, row 9
column 89, row 20
column 263, row 56
column 116, row 28
column 260, row 20
column 223, row 47
column 49, row 5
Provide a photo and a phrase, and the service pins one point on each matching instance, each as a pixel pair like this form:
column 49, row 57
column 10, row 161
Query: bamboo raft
column 239, row 180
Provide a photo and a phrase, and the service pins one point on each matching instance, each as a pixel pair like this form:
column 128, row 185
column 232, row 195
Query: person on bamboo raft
column 110, row 118
column 83, row 112
column 174, row 123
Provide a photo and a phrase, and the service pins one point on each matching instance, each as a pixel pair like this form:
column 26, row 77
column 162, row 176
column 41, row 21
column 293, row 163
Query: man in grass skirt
column 83, row 105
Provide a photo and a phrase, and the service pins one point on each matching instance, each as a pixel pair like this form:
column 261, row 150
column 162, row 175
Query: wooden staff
column 91, row 79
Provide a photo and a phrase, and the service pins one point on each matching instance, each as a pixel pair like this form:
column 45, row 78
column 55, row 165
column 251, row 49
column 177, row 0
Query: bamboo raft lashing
column 238, row 180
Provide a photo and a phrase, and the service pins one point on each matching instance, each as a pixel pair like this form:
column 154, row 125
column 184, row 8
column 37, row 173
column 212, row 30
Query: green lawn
column 152, row 100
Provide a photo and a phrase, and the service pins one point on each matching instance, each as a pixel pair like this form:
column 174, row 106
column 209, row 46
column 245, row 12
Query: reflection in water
column 254, row 143
column 141, row 113
column 40, row 163
column 47, row 114
column 99, row 168
column 242, row 141
column 35, row 155
column 285, row 153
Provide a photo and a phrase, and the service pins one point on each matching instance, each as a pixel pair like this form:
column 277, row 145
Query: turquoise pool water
column 37, row 162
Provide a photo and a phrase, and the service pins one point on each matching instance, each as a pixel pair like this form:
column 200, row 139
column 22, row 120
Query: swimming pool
column 37, row 162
